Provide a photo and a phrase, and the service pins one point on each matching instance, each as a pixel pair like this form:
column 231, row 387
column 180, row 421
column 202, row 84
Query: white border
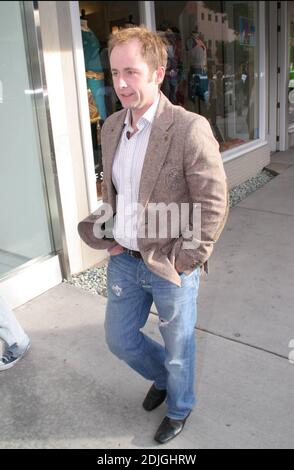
column 243, row 149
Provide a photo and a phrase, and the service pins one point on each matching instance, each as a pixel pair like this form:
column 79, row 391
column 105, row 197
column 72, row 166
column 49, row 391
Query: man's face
column 135, row 85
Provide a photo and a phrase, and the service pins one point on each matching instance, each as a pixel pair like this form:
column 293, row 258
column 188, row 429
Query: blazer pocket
column 174, row 179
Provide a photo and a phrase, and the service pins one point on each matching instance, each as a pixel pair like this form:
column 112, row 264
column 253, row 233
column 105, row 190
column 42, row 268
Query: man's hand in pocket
column 115, row 250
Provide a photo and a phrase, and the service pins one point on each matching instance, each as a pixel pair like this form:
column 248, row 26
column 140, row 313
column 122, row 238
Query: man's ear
column 160, row 72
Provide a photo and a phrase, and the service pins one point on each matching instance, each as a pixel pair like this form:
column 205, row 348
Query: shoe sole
column 8, row 366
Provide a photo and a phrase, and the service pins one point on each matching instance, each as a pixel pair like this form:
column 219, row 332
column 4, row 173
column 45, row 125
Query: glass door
column 26, row 234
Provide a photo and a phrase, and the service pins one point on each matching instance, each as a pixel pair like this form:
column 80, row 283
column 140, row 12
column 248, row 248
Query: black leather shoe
column 154, row 398
column 169, row 429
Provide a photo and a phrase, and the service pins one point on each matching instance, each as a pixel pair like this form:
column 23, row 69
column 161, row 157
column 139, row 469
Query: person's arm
column 206, row 180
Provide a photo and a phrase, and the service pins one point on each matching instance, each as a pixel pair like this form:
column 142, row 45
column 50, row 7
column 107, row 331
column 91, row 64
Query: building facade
column 232, row 62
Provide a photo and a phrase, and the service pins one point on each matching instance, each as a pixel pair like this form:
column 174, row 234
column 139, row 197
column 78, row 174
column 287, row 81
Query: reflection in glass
column 213, row 64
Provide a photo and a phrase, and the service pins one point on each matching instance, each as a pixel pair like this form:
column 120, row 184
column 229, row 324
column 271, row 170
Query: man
column 155, row 153
column 16, row 341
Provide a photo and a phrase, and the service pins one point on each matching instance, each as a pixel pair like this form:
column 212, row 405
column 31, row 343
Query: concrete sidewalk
column 70, row 392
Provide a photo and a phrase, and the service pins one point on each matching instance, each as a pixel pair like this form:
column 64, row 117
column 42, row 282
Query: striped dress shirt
column 126, row 175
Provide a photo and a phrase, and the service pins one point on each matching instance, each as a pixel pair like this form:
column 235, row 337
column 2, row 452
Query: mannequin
column 197, row 78
column 197, row 51
column 96, row 93
column 94, row 71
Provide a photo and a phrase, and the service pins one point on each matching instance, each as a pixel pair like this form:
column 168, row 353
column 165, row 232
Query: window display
column 213, row 64
column 212, row 68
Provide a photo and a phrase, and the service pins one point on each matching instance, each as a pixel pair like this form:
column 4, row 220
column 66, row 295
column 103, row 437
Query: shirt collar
column 148, row 116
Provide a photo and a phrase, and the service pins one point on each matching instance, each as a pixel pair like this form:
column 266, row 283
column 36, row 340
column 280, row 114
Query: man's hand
column 115, row 250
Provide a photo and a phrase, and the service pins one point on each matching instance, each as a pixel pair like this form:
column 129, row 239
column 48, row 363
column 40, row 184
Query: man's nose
column 122, row 83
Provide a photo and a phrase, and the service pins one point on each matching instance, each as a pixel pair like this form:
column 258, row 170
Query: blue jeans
column 10, row 330
column 131, row 289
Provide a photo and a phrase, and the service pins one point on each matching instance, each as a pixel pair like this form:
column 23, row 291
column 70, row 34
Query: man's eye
column 114, row 74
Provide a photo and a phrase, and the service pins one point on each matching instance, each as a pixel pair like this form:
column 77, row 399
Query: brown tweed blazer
column 182, row 165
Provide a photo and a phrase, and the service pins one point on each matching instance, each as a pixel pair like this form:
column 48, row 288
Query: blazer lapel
column 158, row 145
column 110, row 146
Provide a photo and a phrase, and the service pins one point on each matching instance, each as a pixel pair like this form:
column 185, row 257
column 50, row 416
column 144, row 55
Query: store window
column 213, row 71
column 98, row 20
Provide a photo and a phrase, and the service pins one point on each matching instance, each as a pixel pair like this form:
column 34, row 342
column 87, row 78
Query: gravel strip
column 94, row 279
column 240, row 192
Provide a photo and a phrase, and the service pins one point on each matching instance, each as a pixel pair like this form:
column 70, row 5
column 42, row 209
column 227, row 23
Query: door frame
column 40, row 274
column 278, row 75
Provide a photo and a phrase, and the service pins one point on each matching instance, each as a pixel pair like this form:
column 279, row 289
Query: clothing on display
column 197, row 51
column 198, row 85
column 94, row 70
column 94, row 115
column 96, row 94
column 197, row 76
